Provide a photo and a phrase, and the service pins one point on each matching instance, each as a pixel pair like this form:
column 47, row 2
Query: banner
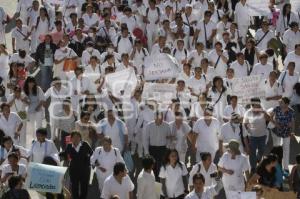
column 161, row 92
column 248, row 87
column 258, row 7
column 160, row 66
column 121, row 83
column 45, row 178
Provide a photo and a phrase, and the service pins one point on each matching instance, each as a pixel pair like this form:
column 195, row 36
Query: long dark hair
column 34, row 91
column 167, row 159
column 284, row 11
column 266, row 161
column 214, row 88
column 219, row 5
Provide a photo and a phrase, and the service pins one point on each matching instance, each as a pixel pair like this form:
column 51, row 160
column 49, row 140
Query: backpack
column 157, row 9
column 119, row 39
column 114, row 151
column 120, row 128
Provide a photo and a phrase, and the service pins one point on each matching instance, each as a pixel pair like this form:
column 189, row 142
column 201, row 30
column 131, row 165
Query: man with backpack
column 124, row 42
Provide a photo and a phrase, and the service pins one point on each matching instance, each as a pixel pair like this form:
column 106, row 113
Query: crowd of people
column 57, row 108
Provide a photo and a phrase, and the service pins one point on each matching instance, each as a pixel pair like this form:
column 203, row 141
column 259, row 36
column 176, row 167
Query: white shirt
column 113, row 131
column 197, row 85
column 207, row 139
column 264, row 70
column 181, row 135
column 242, row 14
column 196, row 110
column 113, row 187
column 17, row 59
column 173, row 179
column 196, row 57
column 240, row 70
column 239, row 109
column 39, row 151
column 6, row 169
column 290, row 38
column 146, row 186
column 231, row 131
column 239, row 165
column 270, row 91
column 256, row 123
column 19, row 34
column 152, row 16
column 287, row 82
column 208, row 193
column 263, row 42
column 292, row 57
column 86, row 55
column 221, row 28
column 130, row 21
column 90, row 20
column 221, row 67
column 57, row 97
column 124, row 45
column 10, row 125
column 209, row 181
column 210, row 26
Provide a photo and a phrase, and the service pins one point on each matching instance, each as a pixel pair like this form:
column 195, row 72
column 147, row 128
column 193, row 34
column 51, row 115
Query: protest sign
column 160, row 66
column 161, row 92
column 45, row 178
column 248, row 87
column 258, row 7
column 121, row 83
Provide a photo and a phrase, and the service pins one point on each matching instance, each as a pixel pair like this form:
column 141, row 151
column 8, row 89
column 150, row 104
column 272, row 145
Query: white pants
column 285, row 143
column 243, row 29
column 151, row 31
column 35, row 122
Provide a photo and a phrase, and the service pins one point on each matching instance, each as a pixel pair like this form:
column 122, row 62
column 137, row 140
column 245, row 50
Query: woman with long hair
column 36, row 99
column 225, row 7
column 286, row 17
column 173, row 175
column 251, row 53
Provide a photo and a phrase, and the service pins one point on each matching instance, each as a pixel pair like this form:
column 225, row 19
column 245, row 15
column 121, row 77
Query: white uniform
column 262, row 38
column 220, row 66
column 106, row 160
column 10, row 125
column 292, row 57
column 19, row 34
column 196, row 57
column 242, row 18
column 287, row 82
column 263, row 70
column 199, row 168
column 146, row 186
column 40, row 150
column 271, row 91
column 290, row 38
column 240, row 70
column 113, row 187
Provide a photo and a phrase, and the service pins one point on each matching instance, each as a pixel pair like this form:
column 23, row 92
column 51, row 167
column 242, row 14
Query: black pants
column 158, row 153
column 63, row 135
column 80, row 178
column 179, row 197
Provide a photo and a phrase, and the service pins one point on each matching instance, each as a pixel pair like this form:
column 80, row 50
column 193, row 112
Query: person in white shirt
column 179, row 52
column 195, row 56
column 287, row 79
column 180, row 132
column 262, row 68
column 10, row 123
column 291, row 36
column 222, row 26
column 235, row 107
column 197, row 84
column 129, row 19
column 234, row 166
column 202, row 191
column 88, row 53
column 208, row 72
column 20, row 37
column 90, row 19
column 218, row 59
column 22, row 7
column 13, row 168
column 198, row 108
column 104, row 158
column 115, row 129
column 42, row 147
column 151, row 19
column 94, row 72
column 205, row 167
column 138, row 55
column 183, row 95
column 70, row 7
column 242, row 18
column 263, row 36
column 118, row 184
column 124, row 42
column 286, row 17
column 206, row 131
column 293, row 56
column 173, row 176
column 273, row 91
column 159, row 46
column 234, row 129
column 146, row 188
column 241, row 66
column 205, row 31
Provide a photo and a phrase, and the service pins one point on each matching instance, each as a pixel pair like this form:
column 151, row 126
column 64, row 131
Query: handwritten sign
column 121, row 83
column 248, row 87
column 160, row 66
column 45, row 178
column 161, row 92
column 258, row 7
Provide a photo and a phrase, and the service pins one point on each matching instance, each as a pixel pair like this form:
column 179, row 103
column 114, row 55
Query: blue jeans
column 45, row 77
column 257, row 149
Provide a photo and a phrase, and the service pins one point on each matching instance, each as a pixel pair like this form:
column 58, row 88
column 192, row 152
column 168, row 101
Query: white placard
column 248, row 87
column 160, row 66
column 241, row 195
column 121, row 83
column 162, row 93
